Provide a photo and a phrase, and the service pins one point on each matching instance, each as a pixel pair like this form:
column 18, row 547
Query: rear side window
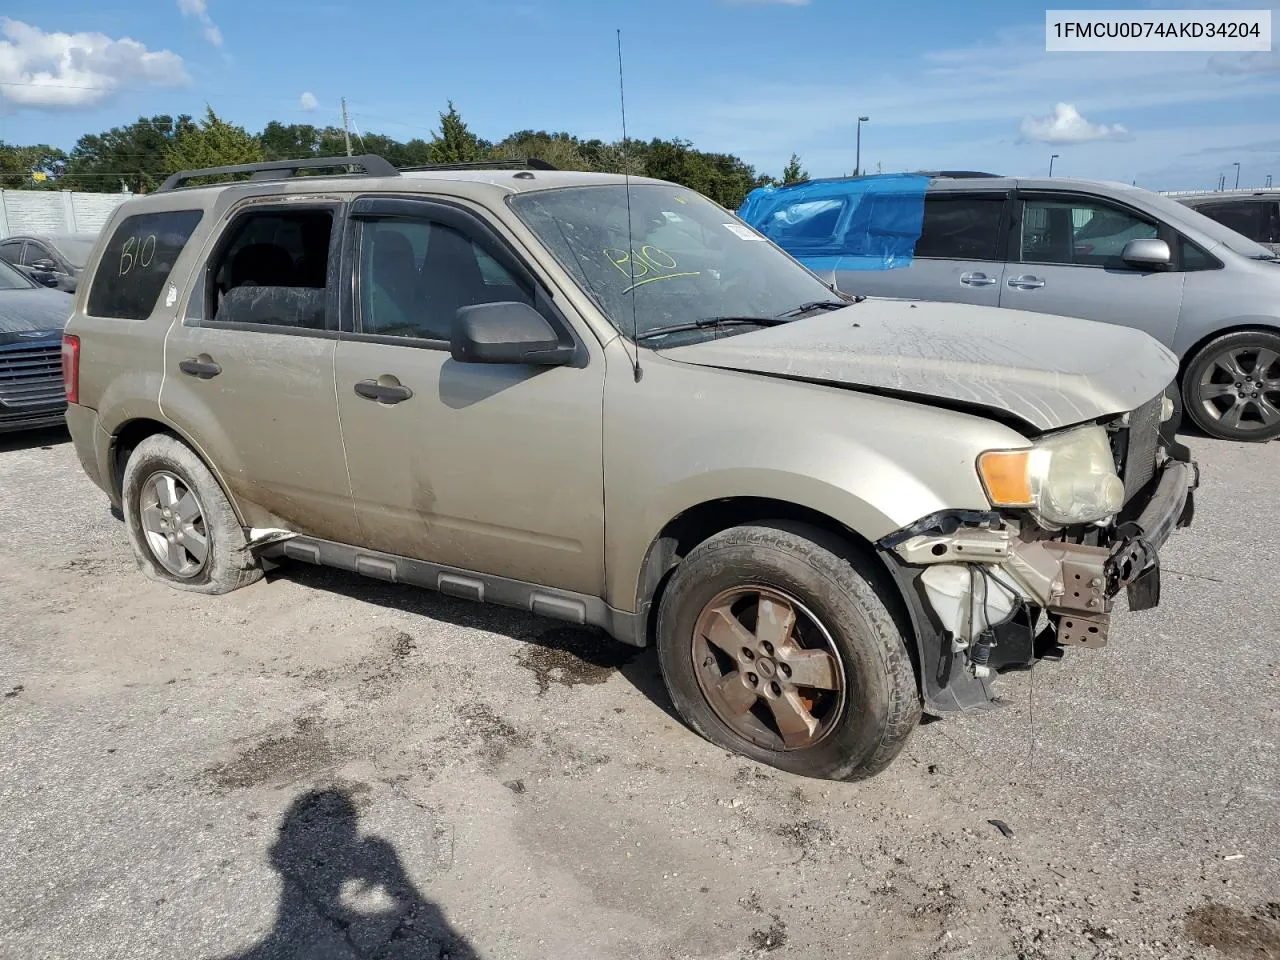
column 137, row 261
column 272, row 270
column 961, row 228
column 1243, row 217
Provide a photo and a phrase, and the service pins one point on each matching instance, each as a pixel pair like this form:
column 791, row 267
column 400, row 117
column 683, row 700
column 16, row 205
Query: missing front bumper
column 1074, row 583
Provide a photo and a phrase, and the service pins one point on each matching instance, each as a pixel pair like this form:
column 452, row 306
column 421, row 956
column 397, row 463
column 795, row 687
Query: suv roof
column 513, row 175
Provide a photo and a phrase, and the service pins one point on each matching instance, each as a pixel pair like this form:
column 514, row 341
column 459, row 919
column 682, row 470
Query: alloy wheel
column 768, row 668
column 173, row 523
column 1240, row 389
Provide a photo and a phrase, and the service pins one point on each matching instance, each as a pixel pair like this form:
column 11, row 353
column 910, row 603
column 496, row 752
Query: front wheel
column 776, row 645
column 1232, row 386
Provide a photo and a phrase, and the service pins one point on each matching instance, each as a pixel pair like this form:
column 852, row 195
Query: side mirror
column 1147, row 253
column 44, row 265
column 506, row 332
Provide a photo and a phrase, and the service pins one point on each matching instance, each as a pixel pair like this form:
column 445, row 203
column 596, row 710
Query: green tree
column 130, row 156
column 293, row 141
column 562, row 150
column 793, row 172
column 455, row 143
column 35, row 167
column 211, row 143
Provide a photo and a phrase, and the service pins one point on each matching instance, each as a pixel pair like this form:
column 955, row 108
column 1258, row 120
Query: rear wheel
column 1232, row 386
column 182, row 529
column 776, row 645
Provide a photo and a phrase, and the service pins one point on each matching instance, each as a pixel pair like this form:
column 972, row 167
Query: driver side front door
column 491, row 468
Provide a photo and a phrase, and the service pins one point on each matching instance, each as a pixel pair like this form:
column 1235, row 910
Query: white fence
column 55, row 211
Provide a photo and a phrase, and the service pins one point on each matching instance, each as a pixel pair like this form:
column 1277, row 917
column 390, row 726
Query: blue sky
column 945, row 85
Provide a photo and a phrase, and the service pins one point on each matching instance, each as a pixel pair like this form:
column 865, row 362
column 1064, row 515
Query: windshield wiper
column 702, row 323
column 813, row 305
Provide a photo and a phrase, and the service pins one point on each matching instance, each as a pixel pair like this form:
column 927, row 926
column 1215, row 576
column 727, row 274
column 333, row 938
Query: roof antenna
column 631, row 253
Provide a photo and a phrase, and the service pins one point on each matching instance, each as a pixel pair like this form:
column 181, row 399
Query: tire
column 163, row 463
column 1231, row 389
column 1175, row 394
column 838, row 608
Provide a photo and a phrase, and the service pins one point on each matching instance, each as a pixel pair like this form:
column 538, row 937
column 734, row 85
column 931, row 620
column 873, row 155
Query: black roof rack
column 373, row 166
column 530, row 163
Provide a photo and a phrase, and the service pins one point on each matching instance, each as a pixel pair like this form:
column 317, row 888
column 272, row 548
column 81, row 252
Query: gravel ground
column 322, row 766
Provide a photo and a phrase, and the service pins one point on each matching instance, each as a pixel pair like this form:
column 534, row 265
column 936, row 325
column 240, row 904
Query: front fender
column 686, row 436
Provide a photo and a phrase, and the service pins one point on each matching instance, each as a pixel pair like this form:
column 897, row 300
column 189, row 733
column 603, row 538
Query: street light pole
column 1052, row 157
column 858, row 161
column 1237, row 166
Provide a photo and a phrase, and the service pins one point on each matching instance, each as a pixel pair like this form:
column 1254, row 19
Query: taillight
column 71, row 367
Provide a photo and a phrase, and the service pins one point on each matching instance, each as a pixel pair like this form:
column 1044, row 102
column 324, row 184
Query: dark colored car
column 31, row 322
column 54, row 260
column 1253, row 213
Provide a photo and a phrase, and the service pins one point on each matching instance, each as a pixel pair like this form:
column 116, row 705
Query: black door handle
column 202, row 367
column 383, row 392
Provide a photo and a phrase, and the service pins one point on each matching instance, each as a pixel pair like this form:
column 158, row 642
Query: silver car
column 1074, row 248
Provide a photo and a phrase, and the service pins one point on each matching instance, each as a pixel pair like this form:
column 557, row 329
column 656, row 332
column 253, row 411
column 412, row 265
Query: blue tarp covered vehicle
column 853, row 223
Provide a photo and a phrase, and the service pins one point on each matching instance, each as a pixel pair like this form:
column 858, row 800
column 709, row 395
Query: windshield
column 74, row 249
column 11, row 279
column 685, row 260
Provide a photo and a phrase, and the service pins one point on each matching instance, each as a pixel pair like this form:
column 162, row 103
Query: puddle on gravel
column 305, row 751
column 569, row 656
column 1237, row 934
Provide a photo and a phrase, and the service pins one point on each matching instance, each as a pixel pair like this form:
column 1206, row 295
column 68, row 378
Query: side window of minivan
column 1247, row 217
column 965, row 227
column 1083, row 232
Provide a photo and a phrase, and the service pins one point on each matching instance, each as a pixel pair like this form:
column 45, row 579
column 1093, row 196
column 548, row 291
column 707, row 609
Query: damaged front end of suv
column 1077, row 516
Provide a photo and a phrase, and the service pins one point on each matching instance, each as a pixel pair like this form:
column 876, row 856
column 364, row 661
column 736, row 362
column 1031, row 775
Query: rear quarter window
column 137, row 261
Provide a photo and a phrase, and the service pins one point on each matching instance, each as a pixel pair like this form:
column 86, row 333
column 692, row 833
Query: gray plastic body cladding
column 628, row 628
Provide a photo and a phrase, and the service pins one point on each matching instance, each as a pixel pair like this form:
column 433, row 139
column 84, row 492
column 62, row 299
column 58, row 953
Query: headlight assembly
column 1064, row 478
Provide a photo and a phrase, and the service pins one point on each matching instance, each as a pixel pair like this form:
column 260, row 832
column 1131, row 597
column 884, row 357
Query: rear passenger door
column 1067, row 261
column 491, row 468
column 958, row 258
column 249, row 369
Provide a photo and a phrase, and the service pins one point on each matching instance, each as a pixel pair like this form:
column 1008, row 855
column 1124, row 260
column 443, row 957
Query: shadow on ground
column 46, row 437
column 557, row 653
column 344, row 895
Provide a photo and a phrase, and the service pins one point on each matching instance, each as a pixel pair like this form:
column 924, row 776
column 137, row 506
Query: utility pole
column 1237, row 166
column 346, row 126
column 1052, row 157
column 858, row 161
column 1268, row 180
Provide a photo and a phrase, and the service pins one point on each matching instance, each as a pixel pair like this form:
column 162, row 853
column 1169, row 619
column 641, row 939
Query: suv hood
column 1044, row 370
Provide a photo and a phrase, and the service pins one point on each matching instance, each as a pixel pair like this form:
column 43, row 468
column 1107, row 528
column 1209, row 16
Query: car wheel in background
column 776, row 645
column 182, row 529
column 1231, row 389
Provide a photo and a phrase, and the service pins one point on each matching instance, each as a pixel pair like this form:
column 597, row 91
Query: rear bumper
column 12, row 421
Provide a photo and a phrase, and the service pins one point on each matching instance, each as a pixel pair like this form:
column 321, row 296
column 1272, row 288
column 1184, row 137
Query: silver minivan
column 1074, row 248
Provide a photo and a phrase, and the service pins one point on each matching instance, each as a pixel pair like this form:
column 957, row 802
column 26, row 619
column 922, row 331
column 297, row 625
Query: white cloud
column 1065, row 125
column 200, row 10
column 39, row 69
column 308, row 101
